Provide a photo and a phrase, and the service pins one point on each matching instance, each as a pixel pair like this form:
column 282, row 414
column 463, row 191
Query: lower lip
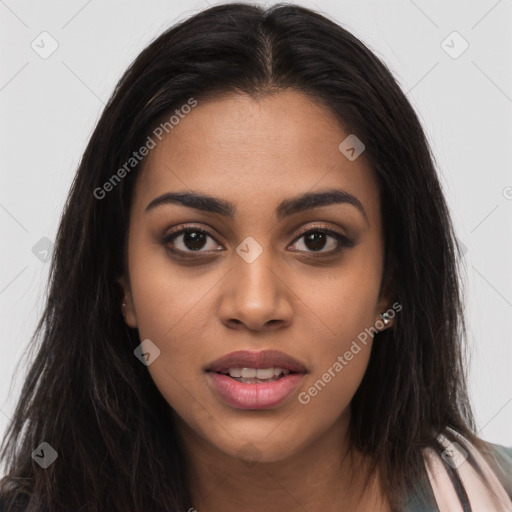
column 254, row 396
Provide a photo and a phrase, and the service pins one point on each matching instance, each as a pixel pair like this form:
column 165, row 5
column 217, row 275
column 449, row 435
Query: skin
column 255, row 153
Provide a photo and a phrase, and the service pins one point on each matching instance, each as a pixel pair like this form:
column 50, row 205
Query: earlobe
column 386, row 319
column 127, row 307
column 386, row 313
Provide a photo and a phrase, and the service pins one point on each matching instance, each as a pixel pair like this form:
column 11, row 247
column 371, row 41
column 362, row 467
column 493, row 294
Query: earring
column 123, row 305
column 385, row 317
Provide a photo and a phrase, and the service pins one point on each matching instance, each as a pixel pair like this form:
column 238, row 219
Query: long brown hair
column 89, row 397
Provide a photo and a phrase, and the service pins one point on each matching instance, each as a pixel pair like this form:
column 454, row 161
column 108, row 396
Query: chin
column 252, row 449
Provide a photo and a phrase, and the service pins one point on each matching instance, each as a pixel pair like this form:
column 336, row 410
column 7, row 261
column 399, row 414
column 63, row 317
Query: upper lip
column 256, row 359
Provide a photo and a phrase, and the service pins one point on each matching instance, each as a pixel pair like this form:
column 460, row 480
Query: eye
column 318, row 239
column 190, row 240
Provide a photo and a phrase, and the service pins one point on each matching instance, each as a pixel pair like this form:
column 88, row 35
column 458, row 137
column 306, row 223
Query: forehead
column 255, row 152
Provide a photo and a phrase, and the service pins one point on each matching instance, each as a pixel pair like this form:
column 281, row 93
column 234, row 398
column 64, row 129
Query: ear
column 127, row 307
column 387, row 294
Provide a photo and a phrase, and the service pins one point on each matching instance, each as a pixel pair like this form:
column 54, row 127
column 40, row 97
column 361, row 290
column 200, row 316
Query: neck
column 319, row 476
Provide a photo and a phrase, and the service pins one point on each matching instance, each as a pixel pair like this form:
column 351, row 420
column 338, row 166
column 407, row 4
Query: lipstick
column 255, row 379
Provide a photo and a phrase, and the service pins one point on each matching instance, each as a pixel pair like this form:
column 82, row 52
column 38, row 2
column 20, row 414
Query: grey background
column 49, row 106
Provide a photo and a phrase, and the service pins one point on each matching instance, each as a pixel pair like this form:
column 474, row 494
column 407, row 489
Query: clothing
column 421, row 498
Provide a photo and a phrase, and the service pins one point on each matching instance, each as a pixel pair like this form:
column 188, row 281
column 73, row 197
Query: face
column 256, row 270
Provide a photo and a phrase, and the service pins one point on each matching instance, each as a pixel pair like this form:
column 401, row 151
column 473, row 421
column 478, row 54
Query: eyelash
column 343, row 241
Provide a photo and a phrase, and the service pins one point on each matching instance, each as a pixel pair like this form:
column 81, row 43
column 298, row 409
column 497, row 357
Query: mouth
column 255, row 380
column 255, row 375
column 257, row 360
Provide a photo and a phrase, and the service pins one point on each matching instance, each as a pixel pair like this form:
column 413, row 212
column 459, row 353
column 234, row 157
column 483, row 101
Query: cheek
column 343, row 301
column 328, row 392
column 174, row 320
column 340, row 362
column 165, row 296
column 343, row 311
column 171, row 310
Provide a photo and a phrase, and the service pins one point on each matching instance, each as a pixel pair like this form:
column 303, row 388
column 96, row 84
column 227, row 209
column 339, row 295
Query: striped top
column 421, row 498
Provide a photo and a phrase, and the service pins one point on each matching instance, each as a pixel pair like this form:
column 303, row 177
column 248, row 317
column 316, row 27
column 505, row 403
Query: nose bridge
column 256, row 295
column 253, row 271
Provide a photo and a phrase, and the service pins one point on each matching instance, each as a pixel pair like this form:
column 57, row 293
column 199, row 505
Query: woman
column 254, row 297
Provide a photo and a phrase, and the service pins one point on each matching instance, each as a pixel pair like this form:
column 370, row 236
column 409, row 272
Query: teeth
column 266, row 373
column 249, row 373
column 253, row 373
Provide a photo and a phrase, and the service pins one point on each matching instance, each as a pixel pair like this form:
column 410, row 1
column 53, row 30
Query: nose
column 255, row 295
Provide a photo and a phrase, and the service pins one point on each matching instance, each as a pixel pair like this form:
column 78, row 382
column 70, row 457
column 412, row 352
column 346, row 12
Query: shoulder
column 500, row 458
column 421, row 497
column 501, row 453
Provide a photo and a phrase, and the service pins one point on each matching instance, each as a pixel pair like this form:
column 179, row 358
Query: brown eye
column 316, row 240
column 190, row 240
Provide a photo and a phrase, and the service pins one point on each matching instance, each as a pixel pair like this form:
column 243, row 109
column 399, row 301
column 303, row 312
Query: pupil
column 315, row 241
column 194, row 240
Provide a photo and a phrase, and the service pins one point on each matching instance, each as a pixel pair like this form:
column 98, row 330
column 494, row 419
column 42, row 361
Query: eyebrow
column 286, row 208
